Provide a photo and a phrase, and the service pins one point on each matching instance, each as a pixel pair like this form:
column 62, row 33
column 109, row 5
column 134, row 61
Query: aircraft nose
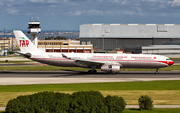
column 171, row 63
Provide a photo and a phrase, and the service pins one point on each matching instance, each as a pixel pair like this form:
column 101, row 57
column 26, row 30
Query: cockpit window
column 167, row 59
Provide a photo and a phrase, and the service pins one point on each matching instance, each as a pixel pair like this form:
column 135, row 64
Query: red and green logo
column 23, row 42
column 22, row 38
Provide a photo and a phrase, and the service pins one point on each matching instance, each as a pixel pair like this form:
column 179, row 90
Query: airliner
column 106, row 62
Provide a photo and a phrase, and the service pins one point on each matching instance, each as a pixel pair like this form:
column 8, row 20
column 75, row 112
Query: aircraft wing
column 84, row 62
column 27, row 55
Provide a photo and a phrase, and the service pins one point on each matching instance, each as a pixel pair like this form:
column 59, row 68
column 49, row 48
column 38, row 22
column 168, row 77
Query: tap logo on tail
column 23, row 43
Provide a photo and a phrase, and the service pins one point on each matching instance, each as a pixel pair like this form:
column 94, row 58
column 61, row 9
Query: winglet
column 63, row 55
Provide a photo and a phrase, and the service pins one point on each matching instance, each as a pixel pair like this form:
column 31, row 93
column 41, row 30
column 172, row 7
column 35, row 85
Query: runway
column 84, row 74
column 61, row 77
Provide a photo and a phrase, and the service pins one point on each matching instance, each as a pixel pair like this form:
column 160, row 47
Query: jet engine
column 114, row 68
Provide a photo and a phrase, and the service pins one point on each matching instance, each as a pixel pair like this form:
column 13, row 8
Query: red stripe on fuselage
column 165, row 62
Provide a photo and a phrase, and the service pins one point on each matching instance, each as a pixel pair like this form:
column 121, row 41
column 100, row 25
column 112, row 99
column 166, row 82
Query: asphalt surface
column 176, row 61
column 84, row 74
column 61, row 77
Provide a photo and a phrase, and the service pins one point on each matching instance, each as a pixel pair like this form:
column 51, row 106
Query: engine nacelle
column 114, row 68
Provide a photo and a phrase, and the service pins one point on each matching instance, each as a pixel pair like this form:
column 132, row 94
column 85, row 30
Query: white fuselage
column 107, row 62
column 124, row 60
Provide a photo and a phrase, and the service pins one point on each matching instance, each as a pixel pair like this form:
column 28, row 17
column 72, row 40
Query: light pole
column 12, row 42
column 4, row 41
column 57, row 33
column 103, row 42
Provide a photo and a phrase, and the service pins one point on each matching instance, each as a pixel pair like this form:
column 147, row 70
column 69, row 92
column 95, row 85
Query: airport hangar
column 134, row 38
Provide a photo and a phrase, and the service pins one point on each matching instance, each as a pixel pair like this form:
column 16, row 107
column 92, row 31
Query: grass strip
column 138, row 85
column 17, row 62
column 156, row 110
column 163, row 97
column 10, row 56
column 174, row 58
column 162, row 92
column 41, row 68
column 170, row 68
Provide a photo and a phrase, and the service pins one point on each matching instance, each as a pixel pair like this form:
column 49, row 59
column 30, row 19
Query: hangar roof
column 130, row 31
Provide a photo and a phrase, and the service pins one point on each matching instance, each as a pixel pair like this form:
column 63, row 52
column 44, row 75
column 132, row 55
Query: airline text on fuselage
column 102, row 56
column 140, row 57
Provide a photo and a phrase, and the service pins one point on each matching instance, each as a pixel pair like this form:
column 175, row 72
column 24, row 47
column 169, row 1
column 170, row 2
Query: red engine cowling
column 114, row 68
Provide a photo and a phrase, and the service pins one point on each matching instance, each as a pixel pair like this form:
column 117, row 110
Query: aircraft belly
column 68, row 63
column 65, row 63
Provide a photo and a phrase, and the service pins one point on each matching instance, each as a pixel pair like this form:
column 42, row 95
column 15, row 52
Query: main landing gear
column 93, row 69
column 157, row 71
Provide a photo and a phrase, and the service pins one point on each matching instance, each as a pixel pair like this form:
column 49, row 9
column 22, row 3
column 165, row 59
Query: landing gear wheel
column 92, row 71
column 89, row 71
column 157, row 71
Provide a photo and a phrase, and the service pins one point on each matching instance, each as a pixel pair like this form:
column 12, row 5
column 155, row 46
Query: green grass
column 162, row 92
column 9, row 56
column 170, row 68
column 41, row 68
column 17, row 62
column 139, row 85
column 163, row 97
column 174, row 58
column 156, row 110
column 55, row 68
